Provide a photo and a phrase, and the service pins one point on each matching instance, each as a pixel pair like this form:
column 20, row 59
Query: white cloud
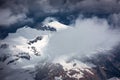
column 86, row 37
column 7, row 17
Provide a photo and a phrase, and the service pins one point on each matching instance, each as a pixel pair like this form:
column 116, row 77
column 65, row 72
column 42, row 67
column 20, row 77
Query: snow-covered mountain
column 25, row 48
column 23, row 56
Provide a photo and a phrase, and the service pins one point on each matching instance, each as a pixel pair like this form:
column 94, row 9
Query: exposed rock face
column 107, row 66
column 35, row 40
column 3, row 58
column 3, row 46
column 50, row 71
column 47, row 28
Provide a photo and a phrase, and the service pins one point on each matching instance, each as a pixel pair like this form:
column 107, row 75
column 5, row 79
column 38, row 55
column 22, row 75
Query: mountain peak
column 53, row 23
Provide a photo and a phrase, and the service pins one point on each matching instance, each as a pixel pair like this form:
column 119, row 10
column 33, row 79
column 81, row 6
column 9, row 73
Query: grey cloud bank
column 99, row 6
column 29, row 12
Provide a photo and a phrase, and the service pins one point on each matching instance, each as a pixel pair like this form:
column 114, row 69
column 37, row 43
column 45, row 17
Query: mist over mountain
column 59, row 39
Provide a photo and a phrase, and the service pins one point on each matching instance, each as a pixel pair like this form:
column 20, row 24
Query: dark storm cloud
column 53, row 6
column 42, row 8
column 23, row 11
column 90, row 6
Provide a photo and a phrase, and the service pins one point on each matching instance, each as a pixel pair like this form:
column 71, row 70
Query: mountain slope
column 23, row 55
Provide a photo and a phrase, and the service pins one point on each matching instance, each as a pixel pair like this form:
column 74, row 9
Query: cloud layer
column 52, row 6
column 85, row 37
column 29, row 12
column 39, row 8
